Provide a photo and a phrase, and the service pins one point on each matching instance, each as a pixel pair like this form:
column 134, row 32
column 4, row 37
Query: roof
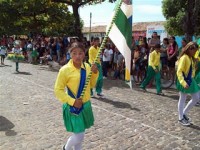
column 95, row 29
column 139, row 26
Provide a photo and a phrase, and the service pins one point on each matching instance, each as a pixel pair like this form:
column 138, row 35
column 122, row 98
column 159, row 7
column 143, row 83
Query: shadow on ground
column 5, row 65
column 109, row 83
column 47, row 68
column 195, row 127
column 23, row 73
column 117, row 104
column 6, row 125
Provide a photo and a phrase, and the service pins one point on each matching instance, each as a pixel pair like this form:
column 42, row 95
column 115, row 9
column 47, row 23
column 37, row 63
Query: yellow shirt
column 184, row 67
column 92, row 54
column 154, row 59
column 69, row 76
column 197, row 55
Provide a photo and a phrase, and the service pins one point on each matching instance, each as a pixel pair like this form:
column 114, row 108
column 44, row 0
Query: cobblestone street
column 31, row 116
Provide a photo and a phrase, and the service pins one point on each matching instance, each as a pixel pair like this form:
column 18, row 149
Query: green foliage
column 182, row 16
column 75, row 6
column 174, row 12
column 40, row 16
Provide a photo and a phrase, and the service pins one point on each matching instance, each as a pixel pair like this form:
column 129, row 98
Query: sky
column 143, row 11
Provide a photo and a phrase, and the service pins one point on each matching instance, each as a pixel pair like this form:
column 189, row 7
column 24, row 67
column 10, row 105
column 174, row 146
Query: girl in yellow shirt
column 186, row 83
column 77, row 110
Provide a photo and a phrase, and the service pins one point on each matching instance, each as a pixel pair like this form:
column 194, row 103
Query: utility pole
column 90, row 26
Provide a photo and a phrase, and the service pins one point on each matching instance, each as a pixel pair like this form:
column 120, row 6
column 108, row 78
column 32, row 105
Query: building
column 139, row 29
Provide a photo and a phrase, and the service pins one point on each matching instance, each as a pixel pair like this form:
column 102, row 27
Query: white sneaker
column 104, row 77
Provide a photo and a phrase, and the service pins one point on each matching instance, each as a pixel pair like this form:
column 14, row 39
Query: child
column 93, row 51
column 16, row 54
column 34, row 55
column 120, row 66
column 186, row 83
column 153, row 70
column 3, row 50
column 47, row 57
column 73, row 76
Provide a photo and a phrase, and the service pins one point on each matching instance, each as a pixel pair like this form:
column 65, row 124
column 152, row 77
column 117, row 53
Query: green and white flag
column 121, row 33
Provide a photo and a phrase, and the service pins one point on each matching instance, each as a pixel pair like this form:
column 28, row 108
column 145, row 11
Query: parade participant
column 3, row 51
column 34, row 54
column 153, row 70
column 93, row 51
column 73, row 76
column 186, row 83
column 197, row 73
column 16, row 54
column 197, row 57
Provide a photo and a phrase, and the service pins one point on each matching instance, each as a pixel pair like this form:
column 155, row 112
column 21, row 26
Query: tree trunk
column 77, row 24
column 197, row 17
column 189, row 21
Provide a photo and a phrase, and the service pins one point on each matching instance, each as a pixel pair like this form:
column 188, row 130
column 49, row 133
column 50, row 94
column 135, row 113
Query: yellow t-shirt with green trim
column 92, row 54
column 69, row 76
column 154, row 59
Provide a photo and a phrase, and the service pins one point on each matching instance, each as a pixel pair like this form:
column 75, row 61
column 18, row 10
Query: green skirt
column 197, row 78
column 78, row 123
column 15, row 57
column 197, row 74
column 194, row 88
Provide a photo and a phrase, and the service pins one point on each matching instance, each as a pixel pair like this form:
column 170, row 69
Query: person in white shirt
column 106, row 60
column 3, row 50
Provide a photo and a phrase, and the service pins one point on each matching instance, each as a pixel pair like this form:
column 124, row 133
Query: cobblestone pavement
column 31, row 117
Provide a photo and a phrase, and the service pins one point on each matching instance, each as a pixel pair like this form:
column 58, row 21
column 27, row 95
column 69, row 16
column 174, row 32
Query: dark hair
column 145, row 42
column 137, row 47
column 166, row 39
column 183, row 39
column 76, row 45
column 107, row 46
column 175, row 43
column 157, row 46
column 155, row 32
column 96, row 39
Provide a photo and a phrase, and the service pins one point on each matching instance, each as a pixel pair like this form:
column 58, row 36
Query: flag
column 121, row 34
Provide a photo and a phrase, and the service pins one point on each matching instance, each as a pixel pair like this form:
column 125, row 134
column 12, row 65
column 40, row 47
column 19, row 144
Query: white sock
column 75, row 141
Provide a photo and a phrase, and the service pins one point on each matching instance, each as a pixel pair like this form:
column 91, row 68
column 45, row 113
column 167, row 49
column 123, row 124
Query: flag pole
column 102, row 46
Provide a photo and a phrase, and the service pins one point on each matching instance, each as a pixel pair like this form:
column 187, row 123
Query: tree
column 183, row 17
column 39, row 16
column 76, row 4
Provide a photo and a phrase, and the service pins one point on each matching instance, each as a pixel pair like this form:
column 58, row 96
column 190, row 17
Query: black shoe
column 161, row 94
column 184, row 122
column 100, row 95
column 186, row 118
column 198, row 104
